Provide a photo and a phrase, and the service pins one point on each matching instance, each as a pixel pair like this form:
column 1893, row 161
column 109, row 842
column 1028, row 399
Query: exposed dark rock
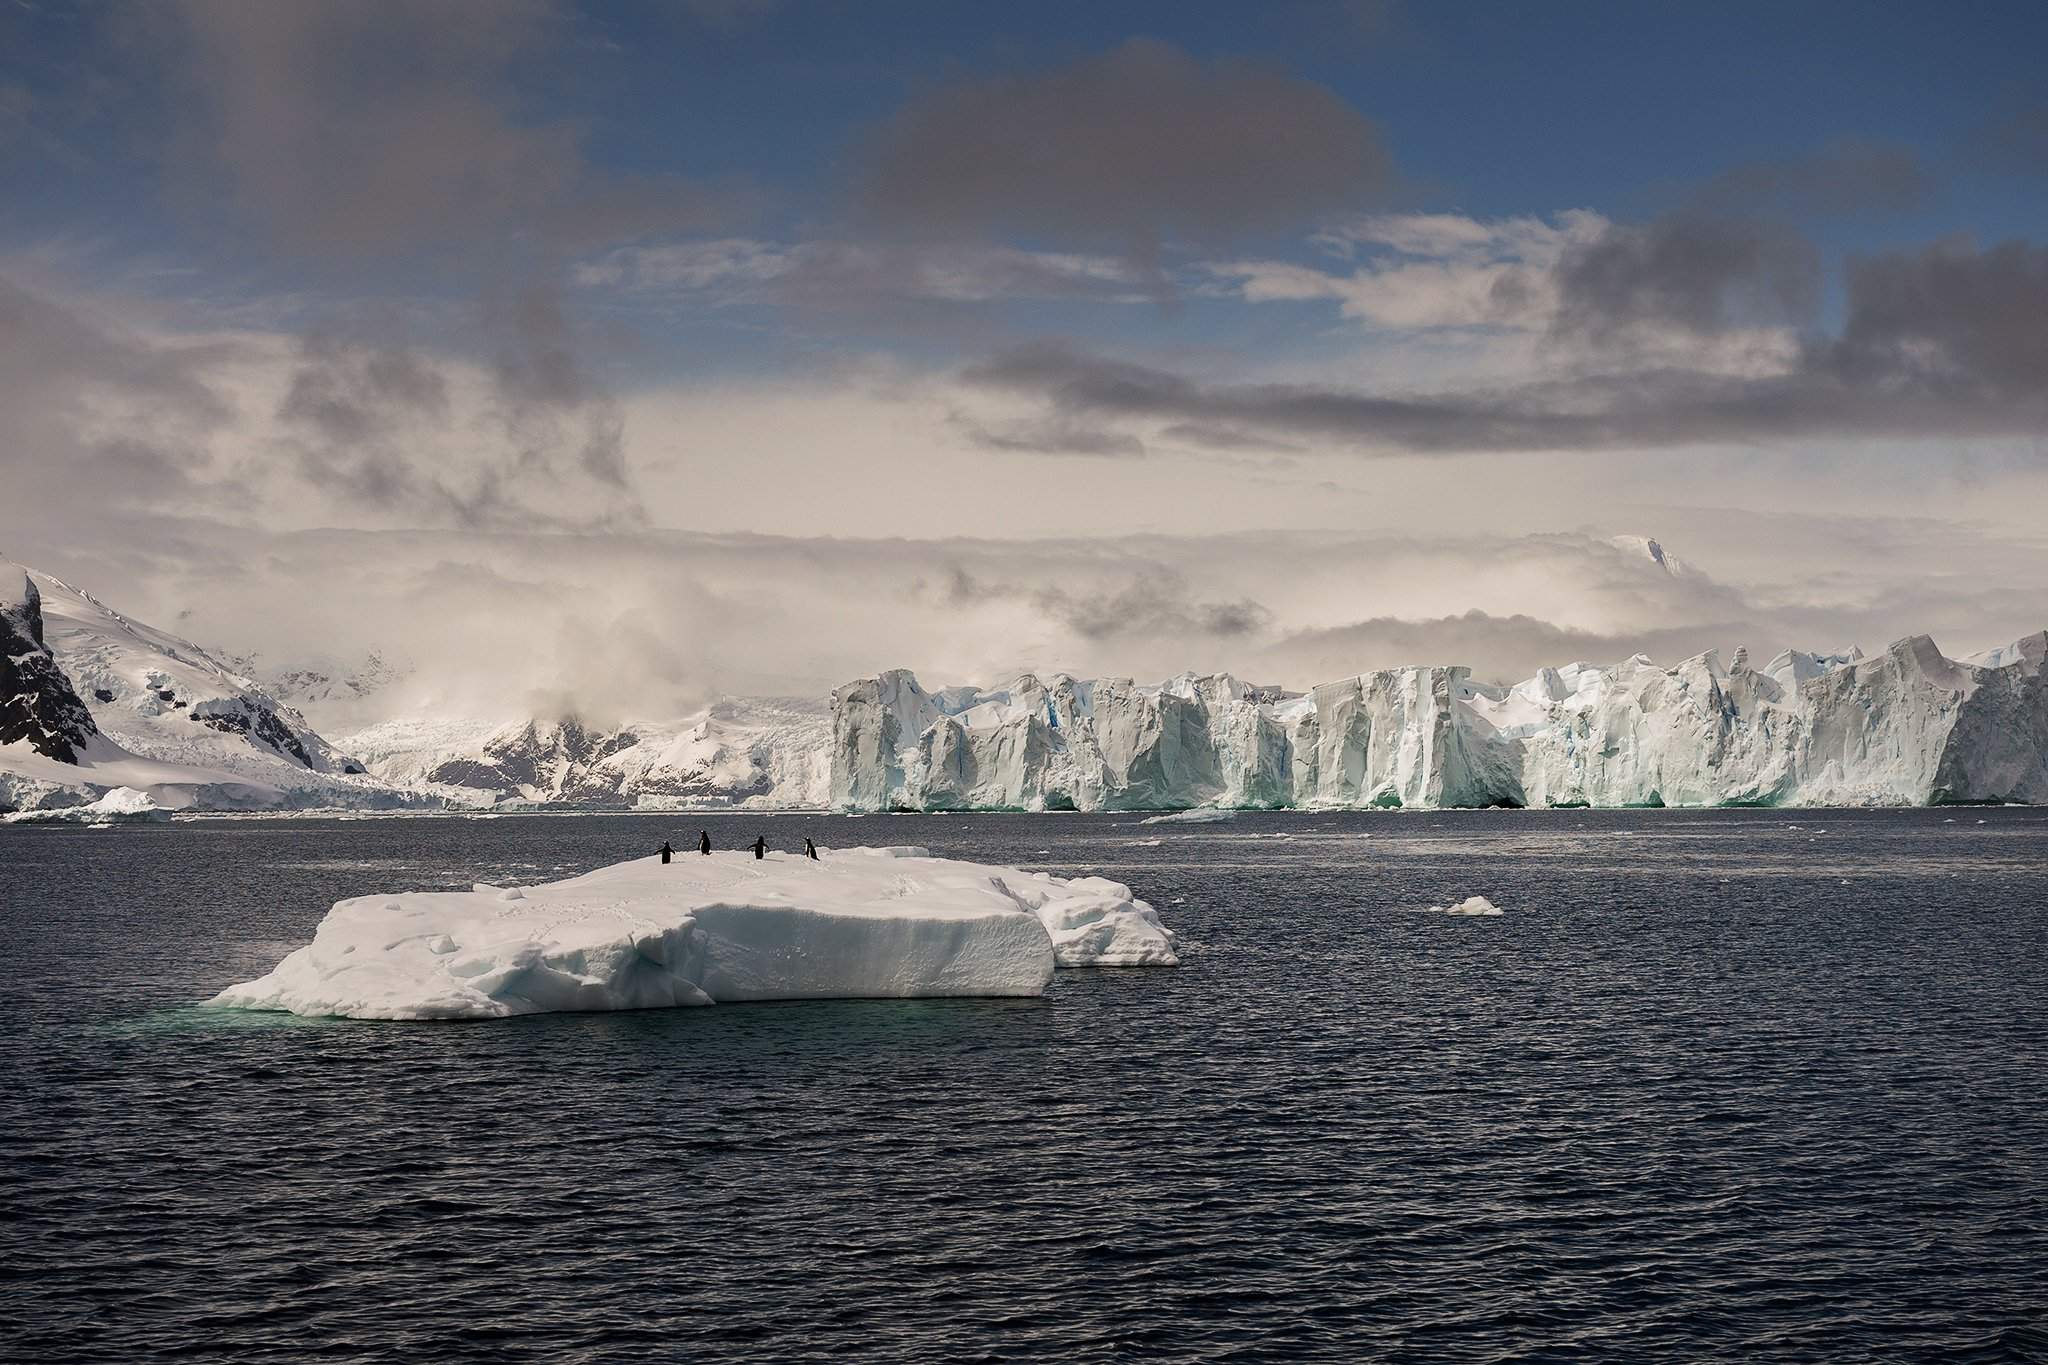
column 241, row 716
column 37, row 701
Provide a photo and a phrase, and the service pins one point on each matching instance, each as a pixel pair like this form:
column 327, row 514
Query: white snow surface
column 750, row 753
column 175, row 724
column 858, row 922
column 1905, row 727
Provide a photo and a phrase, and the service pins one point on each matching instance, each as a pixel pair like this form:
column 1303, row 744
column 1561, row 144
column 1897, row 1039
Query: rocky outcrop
column 37, row 702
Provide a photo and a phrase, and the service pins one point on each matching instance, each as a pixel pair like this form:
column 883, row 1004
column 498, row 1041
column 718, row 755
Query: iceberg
column 120, row 804
column 855, row 923
column 1909, row 726
column 1471, row 905
column 1201, row 815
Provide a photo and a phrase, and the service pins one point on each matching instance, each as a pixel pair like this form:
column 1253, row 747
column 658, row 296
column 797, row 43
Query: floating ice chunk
column 1471, row 905
column 1206, row 815
column 1095, row 922
column 120, row 804
column 858, row 923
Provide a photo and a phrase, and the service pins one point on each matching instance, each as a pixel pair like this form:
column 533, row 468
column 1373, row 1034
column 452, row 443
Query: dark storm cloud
column 1961, row 323
column 1946, row 342
column 1122, row 150
column 1700, row 275
column 1731, row 255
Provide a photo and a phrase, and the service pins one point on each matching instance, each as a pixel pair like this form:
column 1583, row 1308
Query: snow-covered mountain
column 38, row 706
column 322, row 682
column 1907, row 727
column 92, row 702
column 755, row 752
column 161, row 716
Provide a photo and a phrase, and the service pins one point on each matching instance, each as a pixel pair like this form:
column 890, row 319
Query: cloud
column 1495, row 648
column 1050, row 434
column 1956, row 323
column 641, row 623
column 361, row 127
column 2016, row 142
column 1429, row 270
column 1155, row 601
column 1943, row 343
column 1699, row 277
column 1846, row 177
column 1121, row 151
column 101, row 410
column 736, row 271
column 107, row 412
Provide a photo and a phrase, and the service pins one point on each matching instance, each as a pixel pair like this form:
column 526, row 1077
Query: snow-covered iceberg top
column 858, row 922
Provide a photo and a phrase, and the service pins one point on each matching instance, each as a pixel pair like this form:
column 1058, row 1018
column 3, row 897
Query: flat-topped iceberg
column 858, row 922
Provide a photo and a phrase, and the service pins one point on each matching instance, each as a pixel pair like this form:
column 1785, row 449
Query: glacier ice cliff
column 1909, row 726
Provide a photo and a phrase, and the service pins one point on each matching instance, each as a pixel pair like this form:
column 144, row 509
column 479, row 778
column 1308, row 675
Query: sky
column 607, row 358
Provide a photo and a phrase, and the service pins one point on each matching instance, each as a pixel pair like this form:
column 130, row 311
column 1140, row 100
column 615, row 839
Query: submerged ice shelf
column 859, row 922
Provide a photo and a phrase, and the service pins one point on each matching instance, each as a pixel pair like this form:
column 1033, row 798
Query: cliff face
column 1906, row 727
column 37, row 702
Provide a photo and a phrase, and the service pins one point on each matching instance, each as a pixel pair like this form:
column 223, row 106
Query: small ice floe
column 1471, row 905
column 1205, row 815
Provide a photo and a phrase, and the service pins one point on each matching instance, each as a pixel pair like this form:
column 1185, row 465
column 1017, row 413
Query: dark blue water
column 1720, row 1085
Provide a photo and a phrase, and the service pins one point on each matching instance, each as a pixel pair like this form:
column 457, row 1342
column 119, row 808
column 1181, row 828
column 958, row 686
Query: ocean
column 1742, row 1085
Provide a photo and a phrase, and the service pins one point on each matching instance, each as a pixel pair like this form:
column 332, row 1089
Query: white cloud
column 746, row 270
column 1428, row 270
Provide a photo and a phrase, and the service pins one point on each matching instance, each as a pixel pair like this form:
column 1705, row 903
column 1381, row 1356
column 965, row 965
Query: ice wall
column 1905, row 727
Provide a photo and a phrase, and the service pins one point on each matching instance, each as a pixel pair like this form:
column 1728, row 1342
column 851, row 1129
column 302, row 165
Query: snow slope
column 1906, row 727
column 754, row 753
column 172, row 722
column 860, row 922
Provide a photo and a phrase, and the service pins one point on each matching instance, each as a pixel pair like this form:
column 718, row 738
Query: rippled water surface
column 1718, row 1085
